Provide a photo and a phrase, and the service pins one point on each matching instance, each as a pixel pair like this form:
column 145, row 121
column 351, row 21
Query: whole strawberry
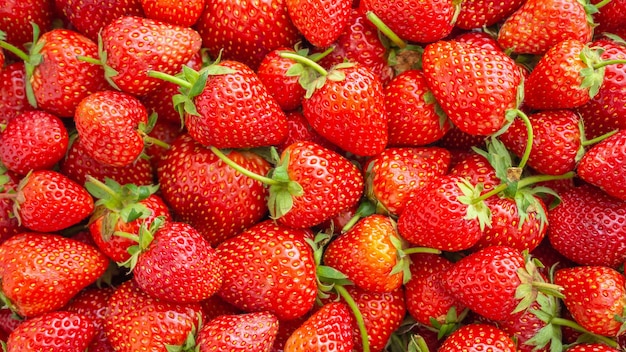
column 474, row 337
column 253, row 332
column 604, row 165
column 273, row 71
column 320, row 21
column 41, row 272
column 329, row 328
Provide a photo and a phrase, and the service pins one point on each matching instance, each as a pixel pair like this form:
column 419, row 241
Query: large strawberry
column 474, row 86
column 253, row 332
column 604, row 165
column 42, row 272
column 320, row 21
column 329, row 328
column 475, row 337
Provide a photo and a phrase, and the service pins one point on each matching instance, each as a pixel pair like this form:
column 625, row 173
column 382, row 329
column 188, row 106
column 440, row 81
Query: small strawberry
column 273, row 71
column 320, row 21
column 42, row 272
column 477, row 169
column 253, row 332
column 480, row 13
column 476, row 337
column 604, row 165
column 92, row 303
column 173, row 12
column 54, row 331
column 283, row 283
column 13, row 92
column 329, row 328
column 215, row 306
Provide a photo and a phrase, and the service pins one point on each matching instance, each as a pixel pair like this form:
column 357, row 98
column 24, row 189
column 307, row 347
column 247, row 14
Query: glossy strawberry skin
column 604, row 165
column 321, row 22
column 254, row 332
column 473, row 85
column 611, row 18
column 58, row 330
column 16, row 17
column 173, row 11
column 283, row 283
column 299, row 129
column 328, row 328
column 68, row 266
column 479, row 13
column 476, row 169
column 92, row 303
column 474, row 337
column 592, row 347
column 13, row 92
column 272, row 71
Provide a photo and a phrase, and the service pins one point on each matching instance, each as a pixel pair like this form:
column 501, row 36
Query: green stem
column 491, row 193
column 543, row 178
column 169, row 78
column 413, row 250
column 602, row 3
column 155, row 141
column 15, row 50
column 90, row 60
column 529, row 138
column 242, row 170
column 598, row 139
column 385, row 29
column 365, row 209
column 357, row 315
column 609, row 62
column 127, row 235
column 103, row 187
column 305, row 61
column 548, row 288
column 572, row 324
column 323, row 54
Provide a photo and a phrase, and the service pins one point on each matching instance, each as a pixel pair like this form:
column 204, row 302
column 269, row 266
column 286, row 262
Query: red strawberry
column 610, row 17
column 586, row 227
column 329, row 328
column 538, row 25
column 273, row 71
column 457, row 139
column 595, row 296
column 42, row 272
column 13, row 92
column 16, row 18
column 173, row 11
column 283, row 283
column 320, row 21
column 604, row 165
column 481, row 39
column 477, row 169
column 54, row 331
column 395, row 174
column 34, row 140
column 592, row 347
column 9, row 224
column 480, row 13
column 474, row 86
column 253, row 332
column 231, row 203
column 215, row 306
column 92, row 303
column 475, row 337
column 162, row 323
column 136, row 45
column 299, row 130
column 415, row 118
column 246, row 31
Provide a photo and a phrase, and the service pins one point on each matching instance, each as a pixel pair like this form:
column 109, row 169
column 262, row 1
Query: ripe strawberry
column 231, row 203
column 54, row 331
column 299, row 130
column 480, row 13
column 162, row 323
column 41, row 272
column 526, row 328
column 610, row 17
column 273, row 71
column 407, row 18
column 395, row 174
column 329, row 328
column 475, row 337
column 539, row 25
column 477, row 169
column 459, row 140
column 320, row 21
column 215, row 306
column 47, row 201
column 604, row 165
column 474, row 86
column 111, row 126
column 13, row 92
column 591, row 347
column 556, row 144
column 172, row 11
column 283, row 284
column 92, row 303
column 415, row 118
column 253, row 332
column 595, row 296
column 481, row 39
column 9, row 224
column 586, row 227
column 246, row 31
column 135, row 45
column 34, row 140
column 16, row 18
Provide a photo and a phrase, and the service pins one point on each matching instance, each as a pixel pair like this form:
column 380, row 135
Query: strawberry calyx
column 143, row 239
column 144, row 129
column 190, row 342
column 593, row 74
column 451, row 322
column 533, row 284
column 311, row 75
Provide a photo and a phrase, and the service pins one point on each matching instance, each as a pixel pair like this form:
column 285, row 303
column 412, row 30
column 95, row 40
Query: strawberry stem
column 155, row 141
column 574, row 325
column 305, row 61
column 543, row 178
column 529, row 138
column 127, row 235
column 244, row 171
column 357, row 315
column 376, row 21
column 609, row 62
column 413, row 250
column 169, row 78
column 588, row 142
column 602, row 4
column 15, row 50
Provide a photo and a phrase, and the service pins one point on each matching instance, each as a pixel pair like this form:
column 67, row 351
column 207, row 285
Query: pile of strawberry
column 312, row 175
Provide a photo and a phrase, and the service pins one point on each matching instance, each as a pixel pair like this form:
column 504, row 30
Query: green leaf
column 296, row 69
column 133, row 212
column 199, row 84
column 280, row 201
column 476, row 210
column 327, row 272
column 335, row 76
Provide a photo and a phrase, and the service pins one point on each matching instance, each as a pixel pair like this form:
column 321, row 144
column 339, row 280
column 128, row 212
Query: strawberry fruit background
column 312, row 175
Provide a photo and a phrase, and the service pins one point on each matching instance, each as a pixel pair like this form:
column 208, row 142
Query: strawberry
column 34, row 140
column 172, row 11
column 539, row 25
column 477, row 169
column 396, row 173
column 163, row 324
column 474, row 86
column 557, row 141
column 173, row 262
column 215, row 306
column 610, row 17
column 135, row 45
column 41, row 272
column 47, row 201
column 595, row 296
column 586, row 227
column 188, row 168
column 321, row 22
column 529, row 331
column 329, row 328
column 273, row 71
column 54, row 331
column 415, row 118
column 165, row 132
column 283, row 284
column 299, row 130
column 604, row 166
column 111, row 126
column 480, row 13
column 16, row 18
column 8, row 322
column 246, row 31
column 9, row 224
column 13, row 92
column 481, row 39
column 476, row 337
column 254, row 332
column 592, row 347
column 92, row 303
column 458, row 139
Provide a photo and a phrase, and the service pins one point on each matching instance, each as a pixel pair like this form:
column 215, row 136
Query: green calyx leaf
column 451, row 322
column 498, row 156
column 283, row 190
column 592, row 76
column 144, row 238
column 533, row 287
column 116, row 197
column 476, row 208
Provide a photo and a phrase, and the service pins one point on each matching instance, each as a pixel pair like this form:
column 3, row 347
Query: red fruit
column 477, row 337
column 34, row 140
column 539, row 25
column 174, row 12
column 481, row 39
column 299, row 130
column 610, row 18
column 92, row 303
column 476, row 168
column 320, row 21
column 526, row 325
column 253, row 332
column 109, row 125
column 135, row 45
column 165, row 132
column 13, row 92
column 215, row 306
column 9, row 224
column 283, row 283
column 208, row 194
column 474, row 86
column 246, row 31
column 594, row 295
column 285, row 89
column 592, row 347
column 328, row 329
column 604, row 165
column 481, row 13
column 41, row 272
column 55, row 331
column 457, row 139
column 587, row 227
column 17, row 16
column 415, row 118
